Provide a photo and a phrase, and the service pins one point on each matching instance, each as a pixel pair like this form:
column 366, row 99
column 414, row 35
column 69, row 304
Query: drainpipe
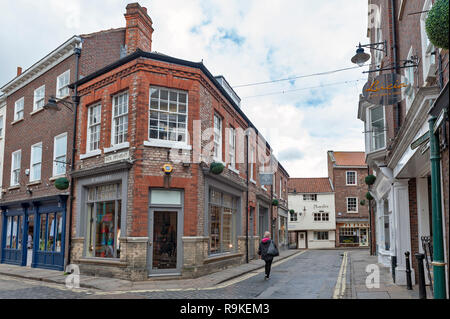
column 394, row 55
column 438, row 239
column 370, row 219
column 76, row 101
column 246, row 219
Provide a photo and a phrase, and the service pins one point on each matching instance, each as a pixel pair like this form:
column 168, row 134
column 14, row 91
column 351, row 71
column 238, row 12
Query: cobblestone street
column 311, row 275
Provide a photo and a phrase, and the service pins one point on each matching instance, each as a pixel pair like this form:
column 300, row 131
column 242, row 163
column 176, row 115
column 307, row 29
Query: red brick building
column 398, row 135
column 347, row 171
column 39, row 143
column 151, row 198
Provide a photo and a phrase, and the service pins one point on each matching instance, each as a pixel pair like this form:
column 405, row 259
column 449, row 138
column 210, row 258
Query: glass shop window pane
column 20, row 226
column 165, row 197
column 14, row 233
column 215, row 229
column 50, row 232
column 59, row 226
column 105, row 227
column 90, row 222
column 8, row 232
column 42, row 232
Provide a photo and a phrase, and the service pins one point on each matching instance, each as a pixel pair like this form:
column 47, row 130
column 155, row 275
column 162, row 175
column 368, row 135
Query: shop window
column 168, row 115
column 103, row 221
column 282, row 236
column 223, row 219
column 348, row 235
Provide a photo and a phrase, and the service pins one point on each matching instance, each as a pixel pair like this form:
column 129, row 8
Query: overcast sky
column 247, row 42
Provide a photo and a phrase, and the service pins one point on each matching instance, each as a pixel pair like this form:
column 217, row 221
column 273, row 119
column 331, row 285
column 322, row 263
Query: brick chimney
column 139, row 29
column 19, row 70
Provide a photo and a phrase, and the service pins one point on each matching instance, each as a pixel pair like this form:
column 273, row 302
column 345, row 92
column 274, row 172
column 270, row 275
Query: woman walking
column 265, row 254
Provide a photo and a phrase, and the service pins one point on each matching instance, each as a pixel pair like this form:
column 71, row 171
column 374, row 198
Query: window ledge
column 116, row 147
column 17, row 121
column 37, row 111
column 34, row 183
column 262, row 186
column 54, row 178
column 167, row 144
column 13, row 187
column 253, row 181
column 103, row 261
column 225, row 256
column 90, row 154
column 233, row 169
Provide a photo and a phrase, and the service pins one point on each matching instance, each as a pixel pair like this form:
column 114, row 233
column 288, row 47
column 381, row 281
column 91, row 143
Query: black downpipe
column 246, row 206
column 395, row 56
column 76, row 101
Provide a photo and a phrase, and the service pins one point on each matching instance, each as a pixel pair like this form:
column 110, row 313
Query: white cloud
column 265, row 40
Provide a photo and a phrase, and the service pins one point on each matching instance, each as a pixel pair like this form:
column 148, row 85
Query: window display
column 103, row 221
column 222, row 214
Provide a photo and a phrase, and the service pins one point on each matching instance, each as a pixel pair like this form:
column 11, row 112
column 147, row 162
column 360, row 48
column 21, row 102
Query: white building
column 312, row 217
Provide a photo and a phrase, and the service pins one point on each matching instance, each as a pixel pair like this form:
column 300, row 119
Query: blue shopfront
column 33, row 232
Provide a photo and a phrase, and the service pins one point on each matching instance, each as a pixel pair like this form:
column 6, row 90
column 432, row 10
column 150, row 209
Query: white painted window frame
column 218, row 137
column 356, row 205
column 39, row 98
column 371, row 131
column 57, row 157
column 428, row 60
column 65, row 86
column 13, row 168
column 91, row 128
column 121, row 138
column 33, row 164
column 346, row 178
column 19, row 109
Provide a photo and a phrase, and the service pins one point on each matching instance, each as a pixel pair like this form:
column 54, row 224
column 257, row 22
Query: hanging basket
column 370, row 179
column 362, row 202
column 369, row 196
column 62, row 183
column 275, row 202
column 436, row 24
column 216, row 168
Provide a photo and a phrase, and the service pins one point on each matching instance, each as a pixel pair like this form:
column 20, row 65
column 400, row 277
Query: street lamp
column 53, row 102
column 361, row 57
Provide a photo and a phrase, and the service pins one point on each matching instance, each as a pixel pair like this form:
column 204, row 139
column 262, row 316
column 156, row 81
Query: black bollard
column 422, row 288
column 408, row 272
column 393, row 265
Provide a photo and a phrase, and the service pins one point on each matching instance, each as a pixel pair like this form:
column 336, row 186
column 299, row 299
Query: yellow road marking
column 339, row 289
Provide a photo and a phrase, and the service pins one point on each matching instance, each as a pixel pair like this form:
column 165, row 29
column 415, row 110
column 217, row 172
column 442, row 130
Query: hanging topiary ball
column 62, row 183
column 362, row 202
column 370, row 179
column 436, row 24
column 216, row 168
column 275, row 202
column 369, row 196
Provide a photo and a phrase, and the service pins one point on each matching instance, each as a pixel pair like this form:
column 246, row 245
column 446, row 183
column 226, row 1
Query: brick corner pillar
column 139, row 30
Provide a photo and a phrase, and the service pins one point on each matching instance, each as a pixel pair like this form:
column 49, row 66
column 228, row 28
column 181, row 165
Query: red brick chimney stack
column 139, row 28
column 19, row 70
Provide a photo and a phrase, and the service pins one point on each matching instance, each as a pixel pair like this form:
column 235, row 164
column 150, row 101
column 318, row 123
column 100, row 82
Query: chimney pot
column 19, row 70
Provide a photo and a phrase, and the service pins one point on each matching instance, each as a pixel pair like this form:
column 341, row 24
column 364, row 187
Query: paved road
column 310, row 275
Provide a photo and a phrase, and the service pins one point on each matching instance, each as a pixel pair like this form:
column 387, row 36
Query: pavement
column 358, row 261
column 153, row 283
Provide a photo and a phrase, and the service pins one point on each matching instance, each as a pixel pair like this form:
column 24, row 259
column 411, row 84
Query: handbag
column 272, row 250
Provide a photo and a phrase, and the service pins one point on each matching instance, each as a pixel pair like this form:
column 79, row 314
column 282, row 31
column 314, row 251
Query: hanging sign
column 385, row 89
column 265, row 179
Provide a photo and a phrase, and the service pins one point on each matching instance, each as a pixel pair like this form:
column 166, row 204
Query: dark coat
column 262, row 250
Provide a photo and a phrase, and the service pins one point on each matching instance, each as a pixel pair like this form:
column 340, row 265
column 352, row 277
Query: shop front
column 353, row 234
column 282, row 229
column 33, row 233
